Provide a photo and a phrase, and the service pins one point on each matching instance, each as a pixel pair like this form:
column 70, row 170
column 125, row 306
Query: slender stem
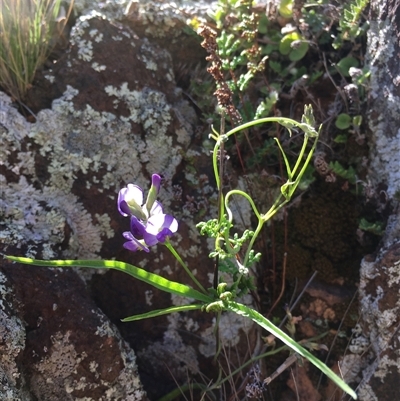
column 280, row 120
column 184, row 265
column 300, row 157
column 218, row 344
column 250, row 247
column 239, row 192
column 220, row 173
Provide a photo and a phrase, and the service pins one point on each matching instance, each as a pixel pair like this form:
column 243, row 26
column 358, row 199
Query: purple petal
column 130, row 197
column 137, row 227
column 163, row 234
column 150, row 239
column 123, row 208
column 159, row 227
column 156, row 182
column 133, row 244
column 171, row 223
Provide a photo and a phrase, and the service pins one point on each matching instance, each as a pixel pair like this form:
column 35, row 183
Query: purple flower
column 149, row 224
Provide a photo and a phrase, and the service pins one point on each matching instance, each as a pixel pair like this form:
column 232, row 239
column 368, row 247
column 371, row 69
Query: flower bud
column 153, row 193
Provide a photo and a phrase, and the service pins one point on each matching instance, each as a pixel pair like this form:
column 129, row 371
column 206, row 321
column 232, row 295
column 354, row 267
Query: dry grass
column 29, row 29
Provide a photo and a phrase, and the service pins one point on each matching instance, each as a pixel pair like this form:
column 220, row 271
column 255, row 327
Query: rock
column 380, row 273
column 380, row 319
column 59, row 345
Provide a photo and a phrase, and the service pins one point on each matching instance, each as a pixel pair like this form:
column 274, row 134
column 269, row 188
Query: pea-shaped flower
column 149, row 224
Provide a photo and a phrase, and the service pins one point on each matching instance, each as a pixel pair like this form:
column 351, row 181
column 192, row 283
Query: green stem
column 250, row 247
column 184, row 265
column 300, row 157
column 244, row 194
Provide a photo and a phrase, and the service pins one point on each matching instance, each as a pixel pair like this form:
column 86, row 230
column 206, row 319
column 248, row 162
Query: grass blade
column 252, row 314
column 160, row 312
column 150, row 278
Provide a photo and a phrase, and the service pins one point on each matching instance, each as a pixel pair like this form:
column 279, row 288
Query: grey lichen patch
column 62, row 363
column 350, row 367
column 394, row 274
column 146, row 55
column 97, row 67
column 61, row 360
column 187, row 118
column 365, row 393
column 386, row 163
column 112, row 9
column 105, row 224
column 150, row 109
column 12, row 343
column 385, row 364
column 85, row 47
column 147, row 107
column 178, row 300
column 28, row 221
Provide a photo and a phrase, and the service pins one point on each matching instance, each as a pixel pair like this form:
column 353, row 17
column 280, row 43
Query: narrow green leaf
column 160, row 312
column 150, row 278
column 244, row 310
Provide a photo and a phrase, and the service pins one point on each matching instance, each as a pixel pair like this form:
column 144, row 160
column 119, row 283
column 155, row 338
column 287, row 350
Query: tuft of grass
column 29, row 29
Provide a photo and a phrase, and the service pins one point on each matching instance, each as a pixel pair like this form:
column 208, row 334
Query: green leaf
column 150, row 278
column 299, row 51
column 286, row 41
column 287, row 164
column 160, row 312
column 343, row 121
column 341, row 138
column 376, row 228
column 275, row 66
column 252, row 314
column 357, row 121
column 345, row 64
column 294, row 45
column 349, row 174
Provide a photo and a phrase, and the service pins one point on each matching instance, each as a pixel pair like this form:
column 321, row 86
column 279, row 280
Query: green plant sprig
column 294, row 177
